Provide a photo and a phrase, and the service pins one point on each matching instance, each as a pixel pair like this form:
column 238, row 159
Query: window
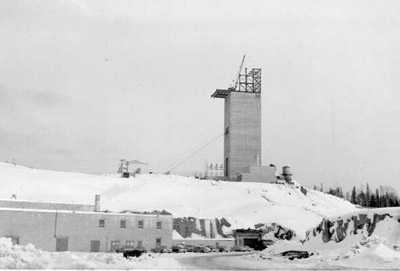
column 123, row 224
column 159, row 225
column 130, row 243
column 140, row 243
column 141, row 224
column 102, row 223
column 158, row 242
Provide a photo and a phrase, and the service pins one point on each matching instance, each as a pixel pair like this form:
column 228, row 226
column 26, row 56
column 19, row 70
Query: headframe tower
column 242, row 124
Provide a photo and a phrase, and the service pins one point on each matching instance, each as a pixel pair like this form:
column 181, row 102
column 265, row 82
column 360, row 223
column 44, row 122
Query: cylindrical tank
column 286, row 171
column 97, row 203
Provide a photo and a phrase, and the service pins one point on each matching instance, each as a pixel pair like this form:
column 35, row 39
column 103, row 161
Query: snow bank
column 364, row 239
column 28, row 257
column 386, row 253
column 371, row 253
column 22, row 257
column 344, row 231
column 242, row 204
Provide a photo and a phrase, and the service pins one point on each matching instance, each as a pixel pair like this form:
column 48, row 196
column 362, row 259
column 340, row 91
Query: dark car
column 162, row 249
column 178, row 249
column 202, row 249
column 222, row 249
column 242, row 249
column 131, row 251
column 189, row 248
column 213, row 248
column 296, row 254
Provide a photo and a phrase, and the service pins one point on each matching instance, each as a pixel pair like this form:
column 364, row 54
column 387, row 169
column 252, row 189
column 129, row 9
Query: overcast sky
column 85, row 83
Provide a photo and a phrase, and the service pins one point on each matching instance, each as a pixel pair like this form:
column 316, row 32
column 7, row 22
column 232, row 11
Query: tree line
column 384, row 196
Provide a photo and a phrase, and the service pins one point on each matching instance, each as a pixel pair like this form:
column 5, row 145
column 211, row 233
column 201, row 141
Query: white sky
column 85, row 83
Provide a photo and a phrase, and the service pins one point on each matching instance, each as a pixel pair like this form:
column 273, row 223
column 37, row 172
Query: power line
column 171, row 163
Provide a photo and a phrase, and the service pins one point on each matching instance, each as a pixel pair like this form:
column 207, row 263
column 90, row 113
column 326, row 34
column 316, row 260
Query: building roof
column 252, row 231
column 137, row 162
column 82, row 212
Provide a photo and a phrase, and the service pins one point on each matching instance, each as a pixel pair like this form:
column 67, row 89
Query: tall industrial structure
column 242, row 137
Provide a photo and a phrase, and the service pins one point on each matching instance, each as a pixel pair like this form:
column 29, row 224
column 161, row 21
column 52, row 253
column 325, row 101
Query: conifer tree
column 372, row 201
column 378, row 198
column 354, row 195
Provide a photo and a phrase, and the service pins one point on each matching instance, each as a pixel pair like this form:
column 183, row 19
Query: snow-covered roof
column 137, row 162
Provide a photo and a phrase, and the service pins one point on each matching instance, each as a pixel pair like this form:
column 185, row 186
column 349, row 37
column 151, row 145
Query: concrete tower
column 242, row 140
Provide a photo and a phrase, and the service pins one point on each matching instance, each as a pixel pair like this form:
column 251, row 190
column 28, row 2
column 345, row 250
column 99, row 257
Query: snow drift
column 343, row 232
column 369, row 238
column 29, row 257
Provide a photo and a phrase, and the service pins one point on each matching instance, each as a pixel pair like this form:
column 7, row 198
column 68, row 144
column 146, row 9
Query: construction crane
column 238, row 75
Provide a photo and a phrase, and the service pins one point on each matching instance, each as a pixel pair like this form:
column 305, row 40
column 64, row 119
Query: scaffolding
column 247, row 82
column 250, row 82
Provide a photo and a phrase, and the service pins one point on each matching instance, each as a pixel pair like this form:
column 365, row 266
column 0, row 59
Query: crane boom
column 240, row 70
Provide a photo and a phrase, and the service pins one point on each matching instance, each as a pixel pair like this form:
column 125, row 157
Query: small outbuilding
column 138, row 167
column 249, row 237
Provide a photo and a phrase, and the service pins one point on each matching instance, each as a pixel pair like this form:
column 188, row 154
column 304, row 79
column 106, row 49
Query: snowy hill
column 242, row 204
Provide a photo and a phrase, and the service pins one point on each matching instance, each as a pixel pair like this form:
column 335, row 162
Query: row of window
column 102, row 224
column 62, row 244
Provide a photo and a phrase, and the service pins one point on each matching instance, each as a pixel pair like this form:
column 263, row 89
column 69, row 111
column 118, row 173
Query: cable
column 194, row 153
column 171, row 161
column 179, row 158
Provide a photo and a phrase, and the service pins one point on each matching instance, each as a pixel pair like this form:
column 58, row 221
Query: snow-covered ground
column 371, row 253
column 347, row 237
column 242, row 204
column 28, row 257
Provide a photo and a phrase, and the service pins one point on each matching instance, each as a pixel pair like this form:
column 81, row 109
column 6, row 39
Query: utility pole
column 122, row 167
column 205, row 167
column 127, row 166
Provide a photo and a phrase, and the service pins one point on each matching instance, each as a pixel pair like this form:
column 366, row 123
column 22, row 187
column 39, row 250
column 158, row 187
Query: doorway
column 61, row 244
column 226, row 167
column 94, row 246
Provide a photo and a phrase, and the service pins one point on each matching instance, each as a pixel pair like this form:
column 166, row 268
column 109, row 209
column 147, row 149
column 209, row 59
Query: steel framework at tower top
column 250, row 82
column 247, row 82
